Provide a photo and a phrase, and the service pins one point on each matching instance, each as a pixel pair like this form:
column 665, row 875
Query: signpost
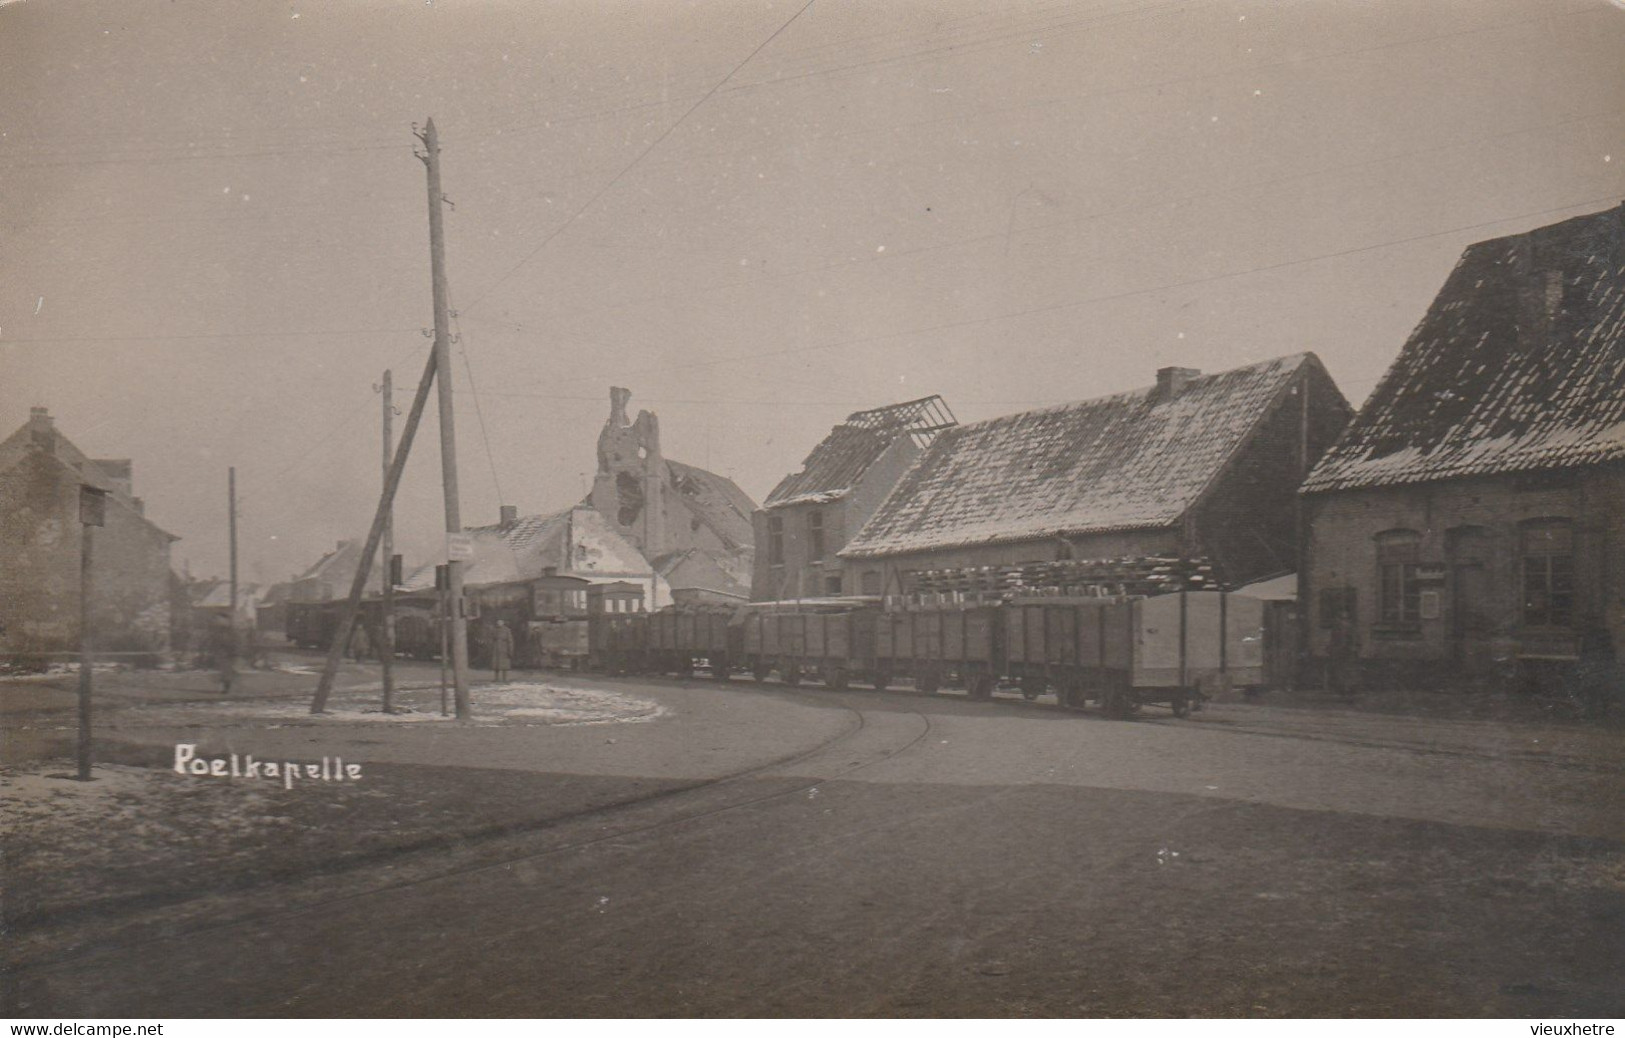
column 92, row 513
column 442, row 590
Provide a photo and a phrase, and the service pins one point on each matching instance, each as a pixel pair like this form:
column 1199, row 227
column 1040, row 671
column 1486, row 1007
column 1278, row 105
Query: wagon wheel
column 1118, row 704
column 1070, row 693
column 1031, row 687
column 837, row 679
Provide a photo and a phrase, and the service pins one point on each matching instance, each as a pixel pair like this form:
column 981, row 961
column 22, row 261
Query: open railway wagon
column 674, row 640
column 935, row 645
column 1174, row 649
column 680, row 639
column 832, row 641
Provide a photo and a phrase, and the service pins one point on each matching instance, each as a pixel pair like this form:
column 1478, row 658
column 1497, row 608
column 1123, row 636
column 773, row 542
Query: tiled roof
column 1130, row 461
column 1518, row 365
column 839, row 461
column 528, row 547
column 716, row 501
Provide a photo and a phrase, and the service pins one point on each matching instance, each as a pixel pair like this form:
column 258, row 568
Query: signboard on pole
column 459, row 547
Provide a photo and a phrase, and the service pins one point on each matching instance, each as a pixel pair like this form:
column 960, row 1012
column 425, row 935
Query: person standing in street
column 501, row 651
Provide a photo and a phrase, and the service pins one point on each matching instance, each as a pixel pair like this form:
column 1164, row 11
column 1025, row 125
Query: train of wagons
column 1118, row 644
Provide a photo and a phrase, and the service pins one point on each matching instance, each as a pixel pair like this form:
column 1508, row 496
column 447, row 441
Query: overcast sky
column 758, row 216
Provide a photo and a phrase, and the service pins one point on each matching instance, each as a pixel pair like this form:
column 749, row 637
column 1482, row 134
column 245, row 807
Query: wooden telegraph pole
column 448, row 428
column 438, row 367
column 358, row 584
column 386, row 628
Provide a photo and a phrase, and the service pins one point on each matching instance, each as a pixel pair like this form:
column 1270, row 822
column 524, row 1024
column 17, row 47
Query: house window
column 1548, row 573
column 815, row 535
column 1399, row 592
column 832, row 584
column 775, row 540
column 870, row 582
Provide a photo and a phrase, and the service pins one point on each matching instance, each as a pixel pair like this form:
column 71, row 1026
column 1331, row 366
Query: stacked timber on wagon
column 1114, row 577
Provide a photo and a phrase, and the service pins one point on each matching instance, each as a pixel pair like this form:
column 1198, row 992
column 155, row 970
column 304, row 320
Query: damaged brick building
column 40, row 536
column 1194, row 466
column 811, row 514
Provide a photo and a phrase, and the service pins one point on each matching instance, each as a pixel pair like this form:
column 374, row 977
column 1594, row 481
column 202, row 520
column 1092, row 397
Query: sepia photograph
column 880, row 510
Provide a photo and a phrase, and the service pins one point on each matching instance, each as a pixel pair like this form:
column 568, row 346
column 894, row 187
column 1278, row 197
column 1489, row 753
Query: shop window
column 1548, row 573
column 775, row 540
column 1399, row 591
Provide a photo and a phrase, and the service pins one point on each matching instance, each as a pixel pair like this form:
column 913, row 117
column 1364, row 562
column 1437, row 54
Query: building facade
column 1197, row 466
column 41, row 472
column 812, row 514
column 1470, row 520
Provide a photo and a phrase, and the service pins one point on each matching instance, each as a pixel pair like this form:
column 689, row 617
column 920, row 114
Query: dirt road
column 811, row 853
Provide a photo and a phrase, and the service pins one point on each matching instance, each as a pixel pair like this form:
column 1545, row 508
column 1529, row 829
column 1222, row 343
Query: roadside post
column 442, row 589
column 92, row 513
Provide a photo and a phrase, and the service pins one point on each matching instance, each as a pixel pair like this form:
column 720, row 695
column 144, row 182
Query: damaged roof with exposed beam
column 839, row 461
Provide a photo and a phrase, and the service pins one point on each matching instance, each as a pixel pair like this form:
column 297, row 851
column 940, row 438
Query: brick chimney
column 510, row 515
column 1172, row 381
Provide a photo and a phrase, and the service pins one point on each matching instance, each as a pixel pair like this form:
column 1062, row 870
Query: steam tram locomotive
column 547, row 615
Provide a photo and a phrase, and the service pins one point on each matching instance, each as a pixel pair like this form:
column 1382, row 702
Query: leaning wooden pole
column 386, row 501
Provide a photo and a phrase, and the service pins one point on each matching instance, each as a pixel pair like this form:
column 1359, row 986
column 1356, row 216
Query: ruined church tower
column 629, row 486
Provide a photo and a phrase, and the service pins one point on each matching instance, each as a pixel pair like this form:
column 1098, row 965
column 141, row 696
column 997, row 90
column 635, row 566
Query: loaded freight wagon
column 1122, row 653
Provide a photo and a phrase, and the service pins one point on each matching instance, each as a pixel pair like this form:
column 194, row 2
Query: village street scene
column 1078, row 508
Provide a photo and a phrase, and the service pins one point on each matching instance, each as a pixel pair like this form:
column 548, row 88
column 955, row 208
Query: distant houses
column 574, row 542
column 1195, row 466
column 1472, row 517
column 676, row 532
column 134, row 597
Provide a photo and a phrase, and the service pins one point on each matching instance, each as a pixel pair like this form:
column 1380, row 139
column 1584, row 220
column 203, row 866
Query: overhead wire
column 651, row 146
column 1110, row 297
column 479, row 412
column 894, row 254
